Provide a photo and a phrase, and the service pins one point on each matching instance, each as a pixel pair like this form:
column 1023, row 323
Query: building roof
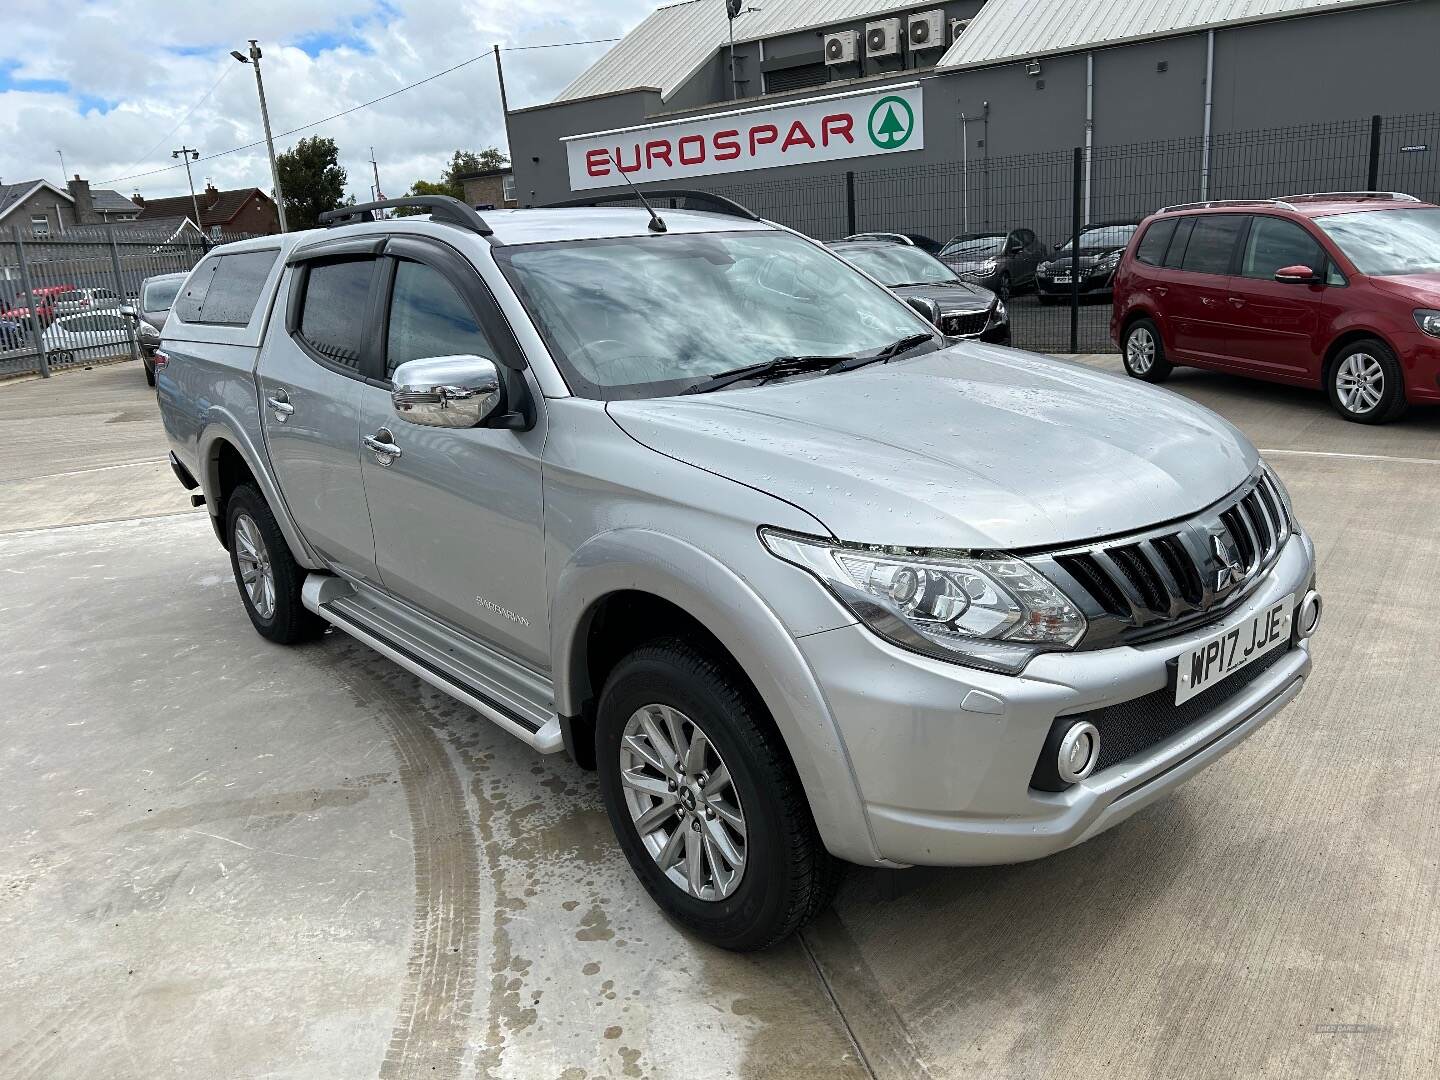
column 675, row 41
column 222, row 208
column 12, row 195
column 1010, row 30
column 112, row 202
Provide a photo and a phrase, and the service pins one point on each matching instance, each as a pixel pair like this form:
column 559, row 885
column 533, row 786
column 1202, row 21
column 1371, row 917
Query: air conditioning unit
column 882, row 38
column 842, row 47
column 927, row 30
column 957, row 27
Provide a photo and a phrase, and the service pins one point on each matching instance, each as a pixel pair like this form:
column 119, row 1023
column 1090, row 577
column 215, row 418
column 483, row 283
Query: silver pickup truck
column 687, row 495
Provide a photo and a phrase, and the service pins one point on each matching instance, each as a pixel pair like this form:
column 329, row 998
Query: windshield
column 895, row 264
column 647, row 316
column 1107, row 238
column 977, row 247
column 159, row 295
column 1386, row 242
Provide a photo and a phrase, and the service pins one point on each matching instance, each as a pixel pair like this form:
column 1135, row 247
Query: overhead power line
column 353, row 108
column 224, row 71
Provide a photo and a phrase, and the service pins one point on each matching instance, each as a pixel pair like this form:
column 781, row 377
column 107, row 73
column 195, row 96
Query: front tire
column 267, row 575
column 1365, row 383
column 1144, row 352
column 705, row 802
column 1002, row 288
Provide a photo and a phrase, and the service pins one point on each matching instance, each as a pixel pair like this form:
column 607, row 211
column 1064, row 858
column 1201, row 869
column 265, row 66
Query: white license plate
column 1061, row 279
column 1227, row 652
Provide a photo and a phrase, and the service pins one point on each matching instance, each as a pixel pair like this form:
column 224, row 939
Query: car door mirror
column 926, row 307
column 1297, row 275
column 447, row 391
column 128, row 310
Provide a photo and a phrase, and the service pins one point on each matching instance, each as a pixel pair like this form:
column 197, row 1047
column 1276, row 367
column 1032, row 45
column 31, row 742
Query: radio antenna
column 657, row 223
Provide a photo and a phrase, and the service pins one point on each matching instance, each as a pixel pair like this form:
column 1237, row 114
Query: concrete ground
column 222, row 858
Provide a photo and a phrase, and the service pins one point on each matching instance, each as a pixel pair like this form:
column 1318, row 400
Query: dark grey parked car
column 1100, row 249
column 1002, row 262
column 156, row 295
column 964, row 310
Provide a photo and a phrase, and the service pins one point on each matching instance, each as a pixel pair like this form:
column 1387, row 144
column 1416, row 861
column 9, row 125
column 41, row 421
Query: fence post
column 1076, row 189
column 1372, row 180
column 120, row 289
column 850, row 204
column 30, row 302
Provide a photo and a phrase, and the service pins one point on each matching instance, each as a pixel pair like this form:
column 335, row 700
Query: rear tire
column 667, row 806
column 1144, row 352
column 267, row 575
column 1365, row 383
column 149, row 373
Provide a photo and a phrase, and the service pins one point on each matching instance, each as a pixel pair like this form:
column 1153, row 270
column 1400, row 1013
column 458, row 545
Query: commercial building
column 822, row 87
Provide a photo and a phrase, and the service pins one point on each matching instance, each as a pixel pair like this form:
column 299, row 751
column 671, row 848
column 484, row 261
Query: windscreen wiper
column 884, row 356
column 779, row 367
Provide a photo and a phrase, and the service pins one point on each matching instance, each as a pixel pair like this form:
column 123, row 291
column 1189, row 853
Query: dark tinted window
column 1275, row 242
column 1155, row 241
column 333, row 317
column 187, row 307
column 1175, row 253
column 1212, row 243
column 235, row 288
column 429, row 318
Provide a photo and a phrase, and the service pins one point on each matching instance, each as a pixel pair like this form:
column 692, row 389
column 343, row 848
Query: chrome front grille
column 965, row 323
column 1167, row 579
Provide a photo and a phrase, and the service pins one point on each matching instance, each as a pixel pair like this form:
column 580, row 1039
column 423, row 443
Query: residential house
column 490, row 187
column 43, row 210
column 237, row 210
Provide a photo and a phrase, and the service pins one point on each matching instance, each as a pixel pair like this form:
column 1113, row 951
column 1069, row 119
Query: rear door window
column 332, row 318
column 187, row 305
column 1155, row 241
column 1175, row 253
column 1211, row 249
column 1275, row 243
column 235, row 287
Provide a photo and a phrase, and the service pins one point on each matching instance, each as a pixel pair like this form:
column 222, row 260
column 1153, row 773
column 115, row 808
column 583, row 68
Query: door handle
column 1237, row 301
column 382, row 445
column 1159, row 290
column 279, row 403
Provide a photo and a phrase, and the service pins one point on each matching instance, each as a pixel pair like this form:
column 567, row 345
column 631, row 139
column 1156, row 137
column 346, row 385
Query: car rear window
column 1155, row 241
column 231, row 289
column 1212, row 243
column 333, row 315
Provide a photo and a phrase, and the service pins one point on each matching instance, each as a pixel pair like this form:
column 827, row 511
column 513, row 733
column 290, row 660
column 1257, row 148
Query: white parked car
column 98, row 333
column 80, row 300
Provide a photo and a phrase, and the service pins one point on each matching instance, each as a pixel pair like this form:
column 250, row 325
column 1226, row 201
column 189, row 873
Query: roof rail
column 718, row 204
column 443, row 208
column 1211, row 203
column 1347, row 196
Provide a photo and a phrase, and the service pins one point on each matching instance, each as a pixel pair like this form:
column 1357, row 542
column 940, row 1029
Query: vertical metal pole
column 849, row 204
column 734, row 85
column 1089, row 127
column 35, row 329
column 1209, row 108
column 194, row 202
column 964, row 173
column 1075, row 223
column 504, row 107
column 120, row 290
column 1372, row 181
column 269, row 141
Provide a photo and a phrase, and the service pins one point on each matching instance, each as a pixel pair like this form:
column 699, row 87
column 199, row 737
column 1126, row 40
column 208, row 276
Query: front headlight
column 1000, row 314
column 1106, row 263
column 992, row 612
column 1428, row 321
column 986, row 268
column 148, row 332
column 1282, row 491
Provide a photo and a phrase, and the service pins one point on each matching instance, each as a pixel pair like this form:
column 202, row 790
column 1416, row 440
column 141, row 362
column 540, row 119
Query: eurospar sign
column 831, row 128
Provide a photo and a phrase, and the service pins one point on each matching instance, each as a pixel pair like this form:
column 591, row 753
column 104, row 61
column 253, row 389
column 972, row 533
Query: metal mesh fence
column 1050, row 194
column 61, row 297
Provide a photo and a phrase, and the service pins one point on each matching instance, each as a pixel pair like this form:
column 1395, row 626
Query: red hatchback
column 1337, row 290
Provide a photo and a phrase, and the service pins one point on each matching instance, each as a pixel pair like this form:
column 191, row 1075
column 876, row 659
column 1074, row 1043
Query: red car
column 1335, row 290
column 44, row 304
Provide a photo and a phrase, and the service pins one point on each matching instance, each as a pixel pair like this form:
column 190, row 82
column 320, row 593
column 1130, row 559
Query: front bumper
column 943, row 755
column 1090, row 285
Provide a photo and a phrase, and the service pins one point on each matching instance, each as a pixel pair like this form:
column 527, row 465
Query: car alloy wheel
column 682, row 802
column 1360, row 383
column 257, row 576
column 1140, row 351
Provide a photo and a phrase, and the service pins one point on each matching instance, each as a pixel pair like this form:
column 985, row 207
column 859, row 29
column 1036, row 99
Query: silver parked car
column 805, row 584
column 78, row 301
column 157, row 294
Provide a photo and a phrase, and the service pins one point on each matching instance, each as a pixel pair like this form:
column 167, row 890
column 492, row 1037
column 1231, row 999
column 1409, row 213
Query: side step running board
column 320, row 593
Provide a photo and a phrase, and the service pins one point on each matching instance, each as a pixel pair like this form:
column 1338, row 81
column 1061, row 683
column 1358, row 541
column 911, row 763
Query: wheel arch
column 1349, row 337
column 227, row 458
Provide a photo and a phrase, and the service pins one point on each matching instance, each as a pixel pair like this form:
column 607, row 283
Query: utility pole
column 375, row 168
column 254, row 61
column 190, row 155
column 504, row 101
column 64, row 176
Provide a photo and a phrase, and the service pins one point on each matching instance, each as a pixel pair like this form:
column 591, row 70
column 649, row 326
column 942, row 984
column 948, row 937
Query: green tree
column 312, row 179
column 462, row 162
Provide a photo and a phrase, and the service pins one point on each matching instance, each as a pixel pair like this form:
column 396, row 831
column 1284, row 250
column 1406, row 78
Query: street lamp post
column 190, row 155
column 254, row 60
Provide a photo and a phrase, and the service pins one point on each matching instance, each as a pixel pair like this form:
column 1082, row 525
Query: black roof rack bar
column 718, row 204
column 442, row 208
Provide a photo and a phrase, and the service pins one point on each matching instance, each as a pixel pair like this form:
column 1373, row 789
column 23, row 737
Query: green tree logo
column 891, row 123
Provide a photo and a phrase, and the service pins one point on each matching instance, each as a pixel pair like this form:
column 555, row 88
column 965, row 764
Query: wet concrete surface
column 225, row 858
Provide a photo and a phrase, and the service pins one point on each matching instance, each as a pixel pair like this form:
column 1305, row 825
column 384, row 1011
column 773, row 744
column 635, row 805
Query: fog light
column 1079, row 750
column 1307, row 618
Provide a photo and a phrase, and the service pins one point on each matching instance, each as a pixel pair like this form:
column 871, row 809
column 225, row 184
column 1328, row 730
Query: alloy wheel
column 257, row 576
column 1360, row 382
column 1140, row 351
column 683, row 802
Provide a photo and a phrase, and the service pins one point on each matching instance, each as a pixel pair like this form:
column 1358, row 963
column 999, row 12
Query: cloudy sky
column 106, row 81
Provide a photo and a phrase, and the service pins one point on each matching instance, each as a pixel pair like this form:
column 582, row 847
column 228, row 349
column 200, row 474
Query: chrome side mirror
column 447, row 391
column 926, row 307
column 128, row 310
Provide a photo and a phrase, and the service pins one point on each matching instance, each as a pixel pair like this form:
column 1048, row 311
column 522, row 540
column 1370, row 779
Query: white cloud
column 148, row 62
